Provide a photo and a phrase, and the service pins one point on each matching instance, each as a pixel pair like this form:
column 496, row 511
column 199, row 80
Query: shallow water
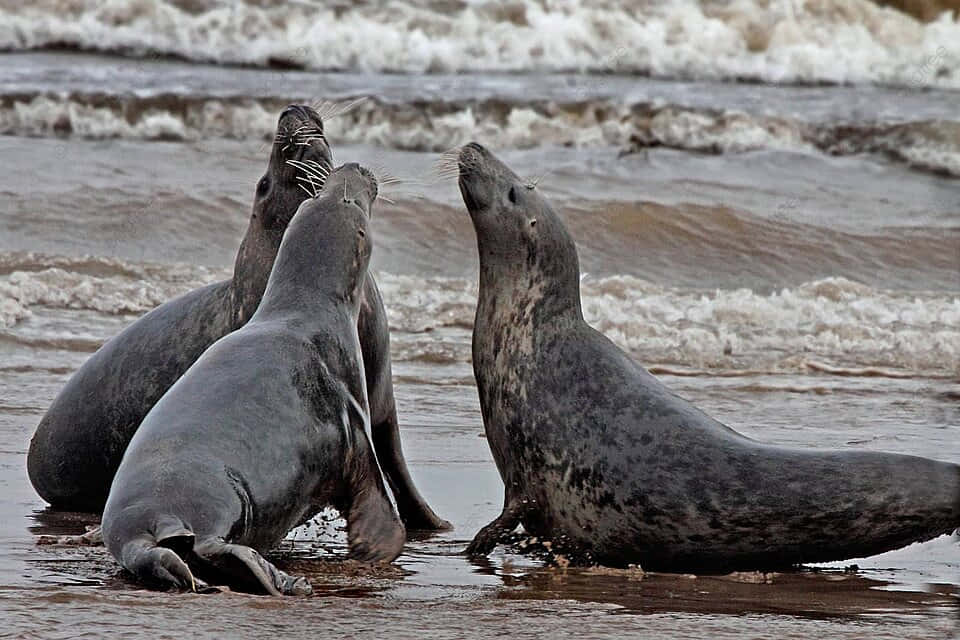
column 62, row 591
column 785, row 256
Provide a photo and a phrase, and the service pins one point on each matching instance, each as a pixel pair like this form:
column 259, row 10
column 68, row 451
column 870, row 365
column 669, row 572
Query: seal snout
column 300, row 134
column 354, row 184
column 475, row 178
column 471, row 157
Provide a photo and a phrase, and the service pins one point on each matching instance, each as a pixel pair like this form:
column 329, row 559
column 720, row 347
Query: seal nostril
column 512, row 195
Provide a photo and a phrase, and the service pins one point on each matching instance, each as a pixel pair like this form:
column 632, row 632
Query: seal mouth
column 469, row 163
column 472, row 205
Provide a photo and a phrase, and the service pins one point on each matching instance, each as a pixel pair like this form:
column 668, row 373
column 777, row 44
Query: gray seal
column 267, row 427
column 80, row 441
column 600, row 457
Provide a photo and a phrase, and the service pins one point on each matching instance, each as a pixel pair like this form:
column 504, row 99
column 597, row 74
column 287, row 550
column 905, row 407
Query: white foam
column 843, row 41
column 932, row 145
column 829, row 323
column 832, row 321
column 60, row 287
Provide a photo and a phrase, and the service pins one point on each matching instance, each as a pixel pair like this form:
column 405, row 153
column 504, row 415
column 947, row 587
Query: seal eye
column 512, row 195
column 263, row 185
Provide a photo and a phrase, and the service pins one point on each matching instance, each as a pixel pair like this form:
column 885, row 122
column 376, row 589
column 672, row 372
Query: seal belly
column 640, row 475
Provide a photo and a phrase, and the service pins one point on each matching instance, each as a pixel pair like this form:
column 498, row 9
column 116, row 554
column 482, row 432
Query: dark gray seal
column 268, row 426
column 80, row 441
column 599, row 457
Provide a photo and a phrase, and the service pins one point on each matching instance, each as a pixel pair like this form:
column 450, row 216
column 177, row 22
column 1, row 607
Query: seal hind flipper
column 494, row 533
column 157, row 565
column 243, row 567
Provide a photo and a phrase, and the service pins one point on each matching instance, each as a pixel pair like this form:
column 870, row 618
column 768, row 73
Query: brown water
column 899, row 394
column 787, row 257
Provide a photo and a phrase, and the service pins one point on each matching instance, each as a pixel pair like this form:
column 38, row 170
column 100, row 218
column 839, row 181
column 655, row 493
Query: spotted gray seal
column 599, row 456
column 268, row 426
column 80, row 441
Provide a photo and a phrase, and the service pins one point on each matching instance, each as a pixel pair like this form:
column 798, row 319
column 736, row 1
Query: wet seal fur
column 81, row 439
column 269, row 425
column 601, row 458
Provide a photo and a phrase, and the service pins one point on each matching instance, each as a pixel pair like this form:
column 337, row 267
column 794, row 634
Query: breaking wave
column 830, row 325
column 931, row 145
column 827, row 41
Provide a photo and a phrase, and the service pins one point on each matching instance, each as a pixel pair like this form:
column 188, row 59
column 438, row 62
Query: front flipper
column 488, row 537
column 374, row 530
column 414, row 510
column 246, row 569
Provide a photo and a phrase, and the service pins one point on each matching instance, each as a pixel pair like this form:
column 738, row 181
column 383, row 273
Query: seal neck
column 537, row 285
column 303, row 286
column 251, row 271
column 321, row 264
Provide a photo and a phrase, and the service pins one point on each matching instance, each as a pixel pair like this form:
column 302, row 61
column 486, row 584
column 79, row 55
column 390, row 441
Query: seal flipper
column 488, row 537
column 414, row 510
column 243, row 567
column 156, row 565
column 375, row 532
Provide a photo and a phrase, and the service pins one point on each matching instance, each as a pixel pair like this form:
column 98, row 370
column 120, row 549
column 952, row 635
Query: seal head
column 525, row 250
column 300, row 160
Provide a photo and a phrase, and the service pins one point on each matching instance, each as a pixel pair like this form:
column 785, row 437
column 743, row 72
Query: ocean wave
column 931, row 145
column 831, row 325
column 105, row 285
column 832, row 41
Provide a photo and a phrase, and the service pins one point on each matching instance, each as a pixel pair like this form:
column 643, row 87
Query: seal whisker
column 312, row 195
column 311, row 180
column 310, row 167
column 314, row 187
column 328, row 110
column 448, row 165
column 311, row 173
column 310, row 134
column 384, row 178
column 447, row 172
column 311, row 177
column 532, row 183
